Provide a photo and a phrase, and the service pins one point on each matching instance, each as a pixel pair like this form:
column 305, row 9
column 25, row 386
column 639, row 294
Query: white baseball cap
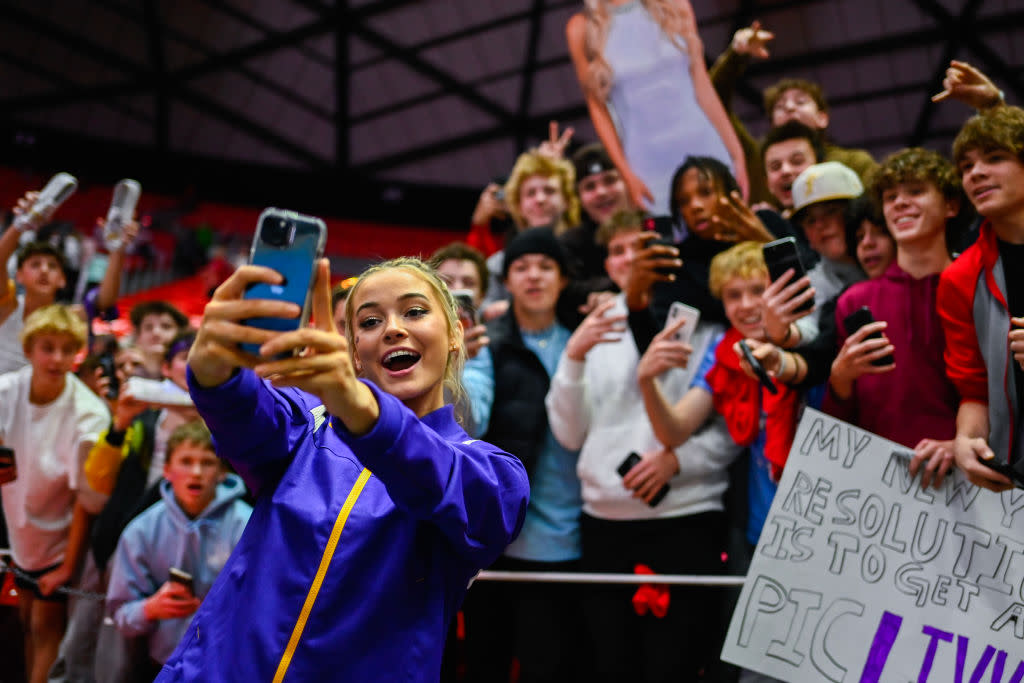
column 825, row 182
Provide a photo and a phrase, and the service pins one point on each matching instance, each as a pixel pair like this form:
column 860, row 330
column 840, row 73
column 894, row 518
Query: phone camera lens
column 277, row 233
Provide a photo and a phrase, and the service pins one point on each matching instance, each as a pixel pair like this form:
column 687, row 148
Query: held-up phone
column 107, row 367
column 289, row 243
column 122, row 206
column 631, row 461
column 468, row 313
column 858, row 319
column 1005, row 469
column 780, row 256
column 762, row 374
column 56, row 192
column 182, row 577
column 680, row 310
column 8, row 467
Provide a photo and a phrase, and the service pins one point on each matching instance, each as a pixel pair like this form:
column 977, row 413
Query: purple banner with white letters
column 862, row 576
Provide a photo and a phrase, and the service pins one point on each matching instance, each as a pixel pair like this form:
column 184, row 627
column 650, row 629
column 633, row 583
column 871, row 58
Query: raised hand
column 650, row 264
column 734, row 221
column 855, row 358
column 596, row 328
column 324, row 368
column 752, row 41
column 780, row 300
column 664, row 353
column 216, row 354
column 554, row 146
column 967, row 84
column 489, row 206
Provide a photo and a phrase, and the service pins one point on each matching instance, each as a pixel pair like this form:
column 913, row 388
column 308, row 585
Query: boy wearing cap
column 602, row 193
column 909, row 400
column 981, row 299
column 821, row 195
column 536, row 622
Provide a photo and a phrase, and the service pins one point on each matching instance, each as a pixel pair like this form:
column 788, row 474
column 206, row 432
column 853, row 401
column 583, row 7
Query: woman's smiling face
column 402, row 343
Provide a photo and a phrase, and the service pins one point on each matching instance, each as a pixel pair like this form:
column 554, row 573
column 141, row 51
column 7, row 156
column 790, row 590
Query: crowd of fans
column 651, row 442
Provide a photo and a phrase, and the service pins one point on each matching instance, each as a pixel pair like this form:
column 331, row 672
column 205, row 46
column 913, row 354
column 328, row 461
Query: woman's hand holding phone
column 324, row 367
column 216, row 353
column 171, row 601
column 647, row 478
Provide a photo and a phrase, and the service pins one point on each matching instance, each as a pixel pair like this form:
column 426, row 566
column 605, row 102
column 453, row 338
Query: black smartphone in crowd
column 762, row 374
column 631, row 461
column 1005, row 469
column 291, row 244
column 183, row 577
column 468, row 313
column 109, row 370
column 780, row 256
column 858, row 319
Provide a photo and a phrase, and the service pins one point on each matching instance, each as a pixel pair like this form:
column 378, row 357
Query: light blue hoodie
column 163, row 537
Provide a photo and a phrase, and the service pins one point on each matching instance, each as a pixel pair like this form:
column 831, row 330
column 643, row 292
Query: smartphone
column 762, row 374
column 680, row 310
column 631, row 461
column 107, row 365
column 122, row 207
column 858, row 319
column 289, row 243
column 55, row 193
column 8, row 467
column 1005, row 469
column 468, row 313
column 780, row 256
column 182, row 577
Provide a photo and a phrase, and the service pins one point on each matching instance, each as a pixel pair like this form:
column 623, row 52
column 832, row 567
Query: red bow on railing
column 650, row 597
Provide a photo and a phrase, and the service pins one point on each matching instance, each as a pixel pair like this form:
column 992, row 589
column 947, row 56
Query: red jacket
column 976, row 322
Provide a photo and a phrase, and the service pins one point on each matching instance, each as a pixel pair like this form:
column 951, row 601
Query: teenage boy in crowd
column 908, row 398
column 154, row 325
column 821, row 198
column 981, row 299
column 537, row 623
column 41, row 272
column 51, row 419
column 193, row 528
column 787, row 151
column 464, row 268
column 602, row 193
column 790, row 99
column 126, row 464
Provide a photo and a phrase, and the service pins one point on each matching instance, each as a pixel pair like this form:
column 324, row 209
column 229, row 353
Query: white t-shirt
column 50, row 445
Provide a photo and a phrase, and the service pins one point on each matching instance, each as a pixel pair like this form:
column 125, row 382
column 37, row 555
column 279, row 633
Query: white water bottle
column 60, row 187
column 122, row 206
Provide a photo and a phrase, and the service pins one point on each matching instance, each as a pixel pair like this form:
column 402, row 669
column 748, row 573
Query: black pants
column 625, row 646
column 540, row 624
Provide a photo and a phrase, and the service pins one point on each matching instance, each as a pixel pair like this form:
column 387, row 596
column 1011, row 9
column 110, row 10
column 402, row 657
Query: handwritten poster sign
column 862, row 576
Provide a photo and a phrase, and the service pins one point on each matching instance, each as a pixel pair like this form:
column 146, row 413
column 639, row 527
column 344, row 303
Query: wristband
column 782, row 366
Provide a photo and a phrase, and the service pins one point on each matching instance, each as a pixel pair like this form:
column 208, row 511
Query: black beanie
column 535, row 241
column 591, row 159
